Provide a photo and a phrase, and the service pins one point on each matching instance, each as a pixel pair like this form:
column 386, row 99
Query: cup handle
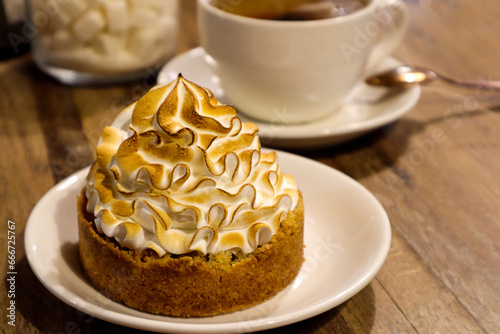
column 393, row 17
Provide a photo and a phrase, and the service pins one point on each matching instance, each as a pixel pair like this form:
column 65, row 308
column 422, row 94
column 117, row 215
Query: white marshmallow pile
column 106, row 36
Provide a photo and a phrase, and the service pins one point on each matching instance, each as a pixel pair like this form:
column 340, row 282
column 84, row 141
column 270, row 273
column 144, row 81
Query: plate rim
column 74, row 300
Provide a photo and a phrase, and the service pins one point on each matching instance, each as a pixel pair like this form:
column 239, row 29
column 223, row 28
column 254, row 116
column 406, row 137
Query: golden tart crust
column 191, row 285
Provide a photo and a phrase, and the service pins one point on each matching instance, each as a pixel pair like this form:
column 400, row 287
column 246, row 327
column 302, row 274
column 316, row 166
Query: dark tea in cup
column 291, row 10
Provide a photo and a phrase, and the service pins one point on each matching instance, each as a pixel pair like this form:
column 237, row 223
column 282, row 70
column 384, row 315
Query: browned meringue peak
column 177, row 172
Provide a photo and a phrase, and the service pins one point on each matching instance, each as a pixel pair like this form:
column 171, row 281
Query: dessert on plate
column 183, row 214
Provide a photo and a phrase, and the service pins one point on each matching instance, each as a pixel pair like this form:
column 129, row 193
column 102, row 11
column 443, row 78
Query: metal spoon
column 410, row 75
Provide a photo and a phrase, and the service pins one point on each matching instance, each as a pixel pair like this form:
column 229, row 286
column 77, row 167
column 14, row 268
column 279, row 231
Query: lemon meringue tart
column 183, row 214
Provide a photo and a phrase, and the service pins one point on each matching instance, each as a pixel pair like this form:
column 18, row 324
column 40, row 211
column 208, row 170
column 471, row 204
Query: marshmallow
column 166, row 6
column 116, row 15
column 166, row 24
column 141, row 42
column 64, row 40
column 74, row 8
column 88, row 25
column 166, row 29
column 106, row 35
column 143, row 17
column 59, row 18
column 50, row 7
column 108, row 43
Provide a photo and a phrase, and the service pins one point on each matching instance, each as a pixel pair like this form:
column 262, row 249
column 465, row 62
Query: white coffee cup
column 297, row 71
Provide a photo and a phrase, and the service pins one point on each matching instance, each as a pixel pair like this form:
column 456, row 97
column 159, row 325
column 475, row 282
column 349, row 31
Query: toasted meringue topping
column 179, row 172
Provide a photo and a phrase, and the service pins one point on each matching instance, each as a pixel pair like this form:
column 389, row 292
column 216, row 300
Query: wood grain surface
column 436, row 171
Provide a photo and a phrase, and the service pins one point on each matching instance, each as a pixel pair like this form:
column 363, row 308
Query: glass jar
column 102, row 41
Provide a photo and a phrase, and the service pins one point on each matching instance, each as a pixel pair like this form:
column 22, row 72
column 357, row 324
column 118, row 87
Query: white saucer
column 347, row 234
column 367, row 109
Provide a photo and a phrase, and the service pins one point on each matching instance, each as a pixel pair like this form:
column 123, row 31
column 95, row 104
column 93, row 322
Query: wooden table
column 436, row 172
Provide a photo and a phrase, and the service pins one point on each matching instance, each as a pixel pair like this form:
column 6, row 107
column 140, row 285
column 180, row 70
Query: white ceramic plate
column 347, row 237
column 367, row 109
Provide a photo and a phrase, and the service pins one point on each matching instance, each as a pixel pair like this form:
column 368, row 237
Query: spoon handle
column 481, row 84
